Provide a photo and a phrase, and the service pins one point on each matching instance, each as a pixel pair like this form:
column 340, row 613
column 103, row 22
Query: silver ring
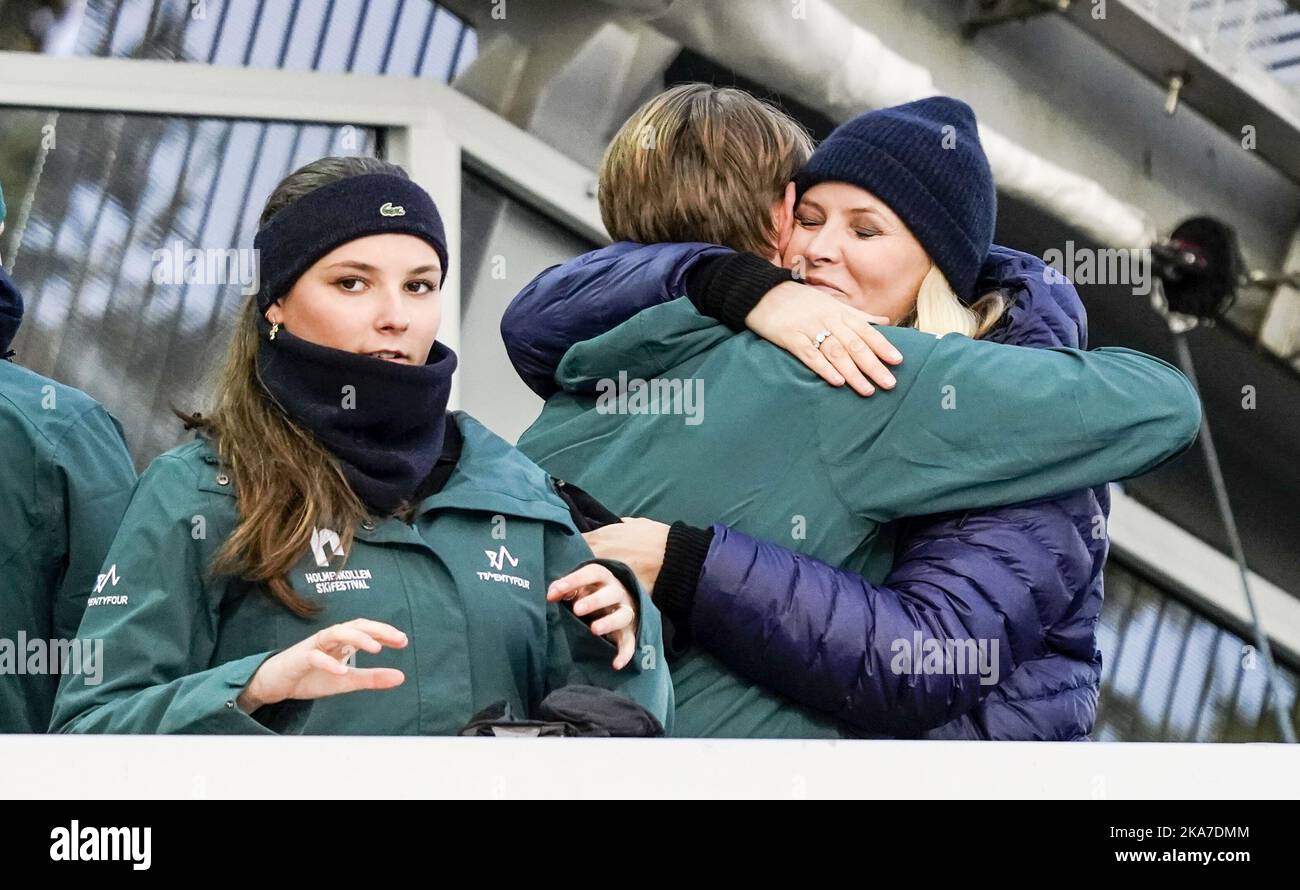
column 821, row 338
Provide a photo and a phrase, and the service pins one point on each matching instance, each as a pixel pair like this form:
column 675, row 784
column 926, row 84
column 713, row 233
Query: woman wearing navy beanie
column 334, row 529
column 914, row 184
column 894, row 215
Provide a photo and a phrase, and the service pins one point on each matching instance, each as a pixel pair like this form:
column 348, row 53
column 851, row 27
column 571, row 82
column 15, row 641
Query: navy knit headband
column 369, row 204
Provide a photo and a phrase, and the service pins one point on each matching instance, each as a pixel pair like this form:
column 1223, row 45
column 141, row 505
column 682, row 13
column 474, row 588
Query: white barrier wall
column 621, row 769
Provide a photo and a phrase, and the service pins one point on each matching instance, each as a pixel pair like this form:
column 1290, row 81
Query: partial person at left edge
column 65, row 480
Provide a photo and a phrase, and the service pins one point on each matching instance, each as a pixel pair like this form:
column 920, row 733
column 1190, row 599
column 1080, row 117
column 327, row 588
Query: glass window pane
column 1173, row 674
column 98, row 237
column 404, row 38
column 504, row 244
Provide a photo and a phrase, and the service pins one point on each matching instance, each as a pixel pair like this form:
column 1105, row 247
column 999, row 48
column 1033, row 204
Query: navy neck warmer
column 384, row 422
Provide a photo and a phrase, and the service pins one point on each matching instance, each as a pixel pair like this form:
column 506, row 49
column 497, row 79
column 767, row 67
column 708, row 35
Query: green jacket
column 65, row 483
column 771, row 450
column 466, row 581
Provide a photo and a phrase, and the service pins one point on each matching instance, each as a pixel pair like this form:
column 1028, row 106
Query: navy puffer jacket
column 785, row 619
column 826, row 637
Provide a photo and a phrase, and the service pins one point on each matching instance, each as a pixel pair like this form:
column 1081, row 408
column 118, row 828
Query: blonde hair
column 939, row 311
column 701, row 163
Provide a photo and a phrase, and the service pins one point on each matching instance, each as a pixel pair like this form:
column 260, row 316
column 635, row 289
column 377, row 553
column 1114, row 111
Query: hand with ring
column 836, row 341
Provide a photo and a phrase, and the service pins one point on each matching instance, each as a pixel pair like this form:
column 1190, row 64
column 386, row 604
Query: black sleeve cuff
column 588, row 514
column 728, row 287
column 285, row 717
column 622, row 573
column 684, row 557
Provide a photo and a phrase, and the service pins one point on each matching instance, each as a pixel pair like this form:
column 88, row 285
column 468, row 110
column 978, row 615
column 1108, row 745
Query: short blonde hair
column 701, row 163
column 939, row 311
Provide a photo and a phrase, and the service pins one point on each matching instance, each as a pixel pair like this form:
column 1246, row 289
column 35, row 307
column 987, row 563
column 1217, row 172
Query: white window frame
column 429, row 128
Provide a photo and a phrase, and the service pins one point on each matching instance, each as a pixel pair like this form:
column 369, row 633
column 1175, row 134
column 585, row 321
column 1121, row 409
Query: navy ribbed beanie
column 924, row 160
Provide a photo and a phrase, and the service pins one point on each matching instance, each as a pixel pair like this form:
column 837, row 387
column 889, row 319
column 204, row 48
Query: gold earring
column 275, row 329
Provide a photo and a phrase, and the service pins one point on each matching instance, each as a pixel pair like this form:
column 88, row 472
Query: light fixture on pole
column 1198, row 270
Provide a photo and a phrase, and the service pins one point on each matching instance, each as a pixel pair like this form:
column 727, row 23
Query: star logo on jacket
column 498, row 560
column 391, row 209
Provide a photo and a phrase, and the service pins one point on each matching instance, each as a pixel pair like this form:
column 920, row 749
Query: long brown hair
column 287, row 483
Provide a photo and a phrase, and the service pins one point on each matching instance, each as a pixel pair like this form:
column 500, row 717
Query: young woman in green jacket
column 337, row 553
